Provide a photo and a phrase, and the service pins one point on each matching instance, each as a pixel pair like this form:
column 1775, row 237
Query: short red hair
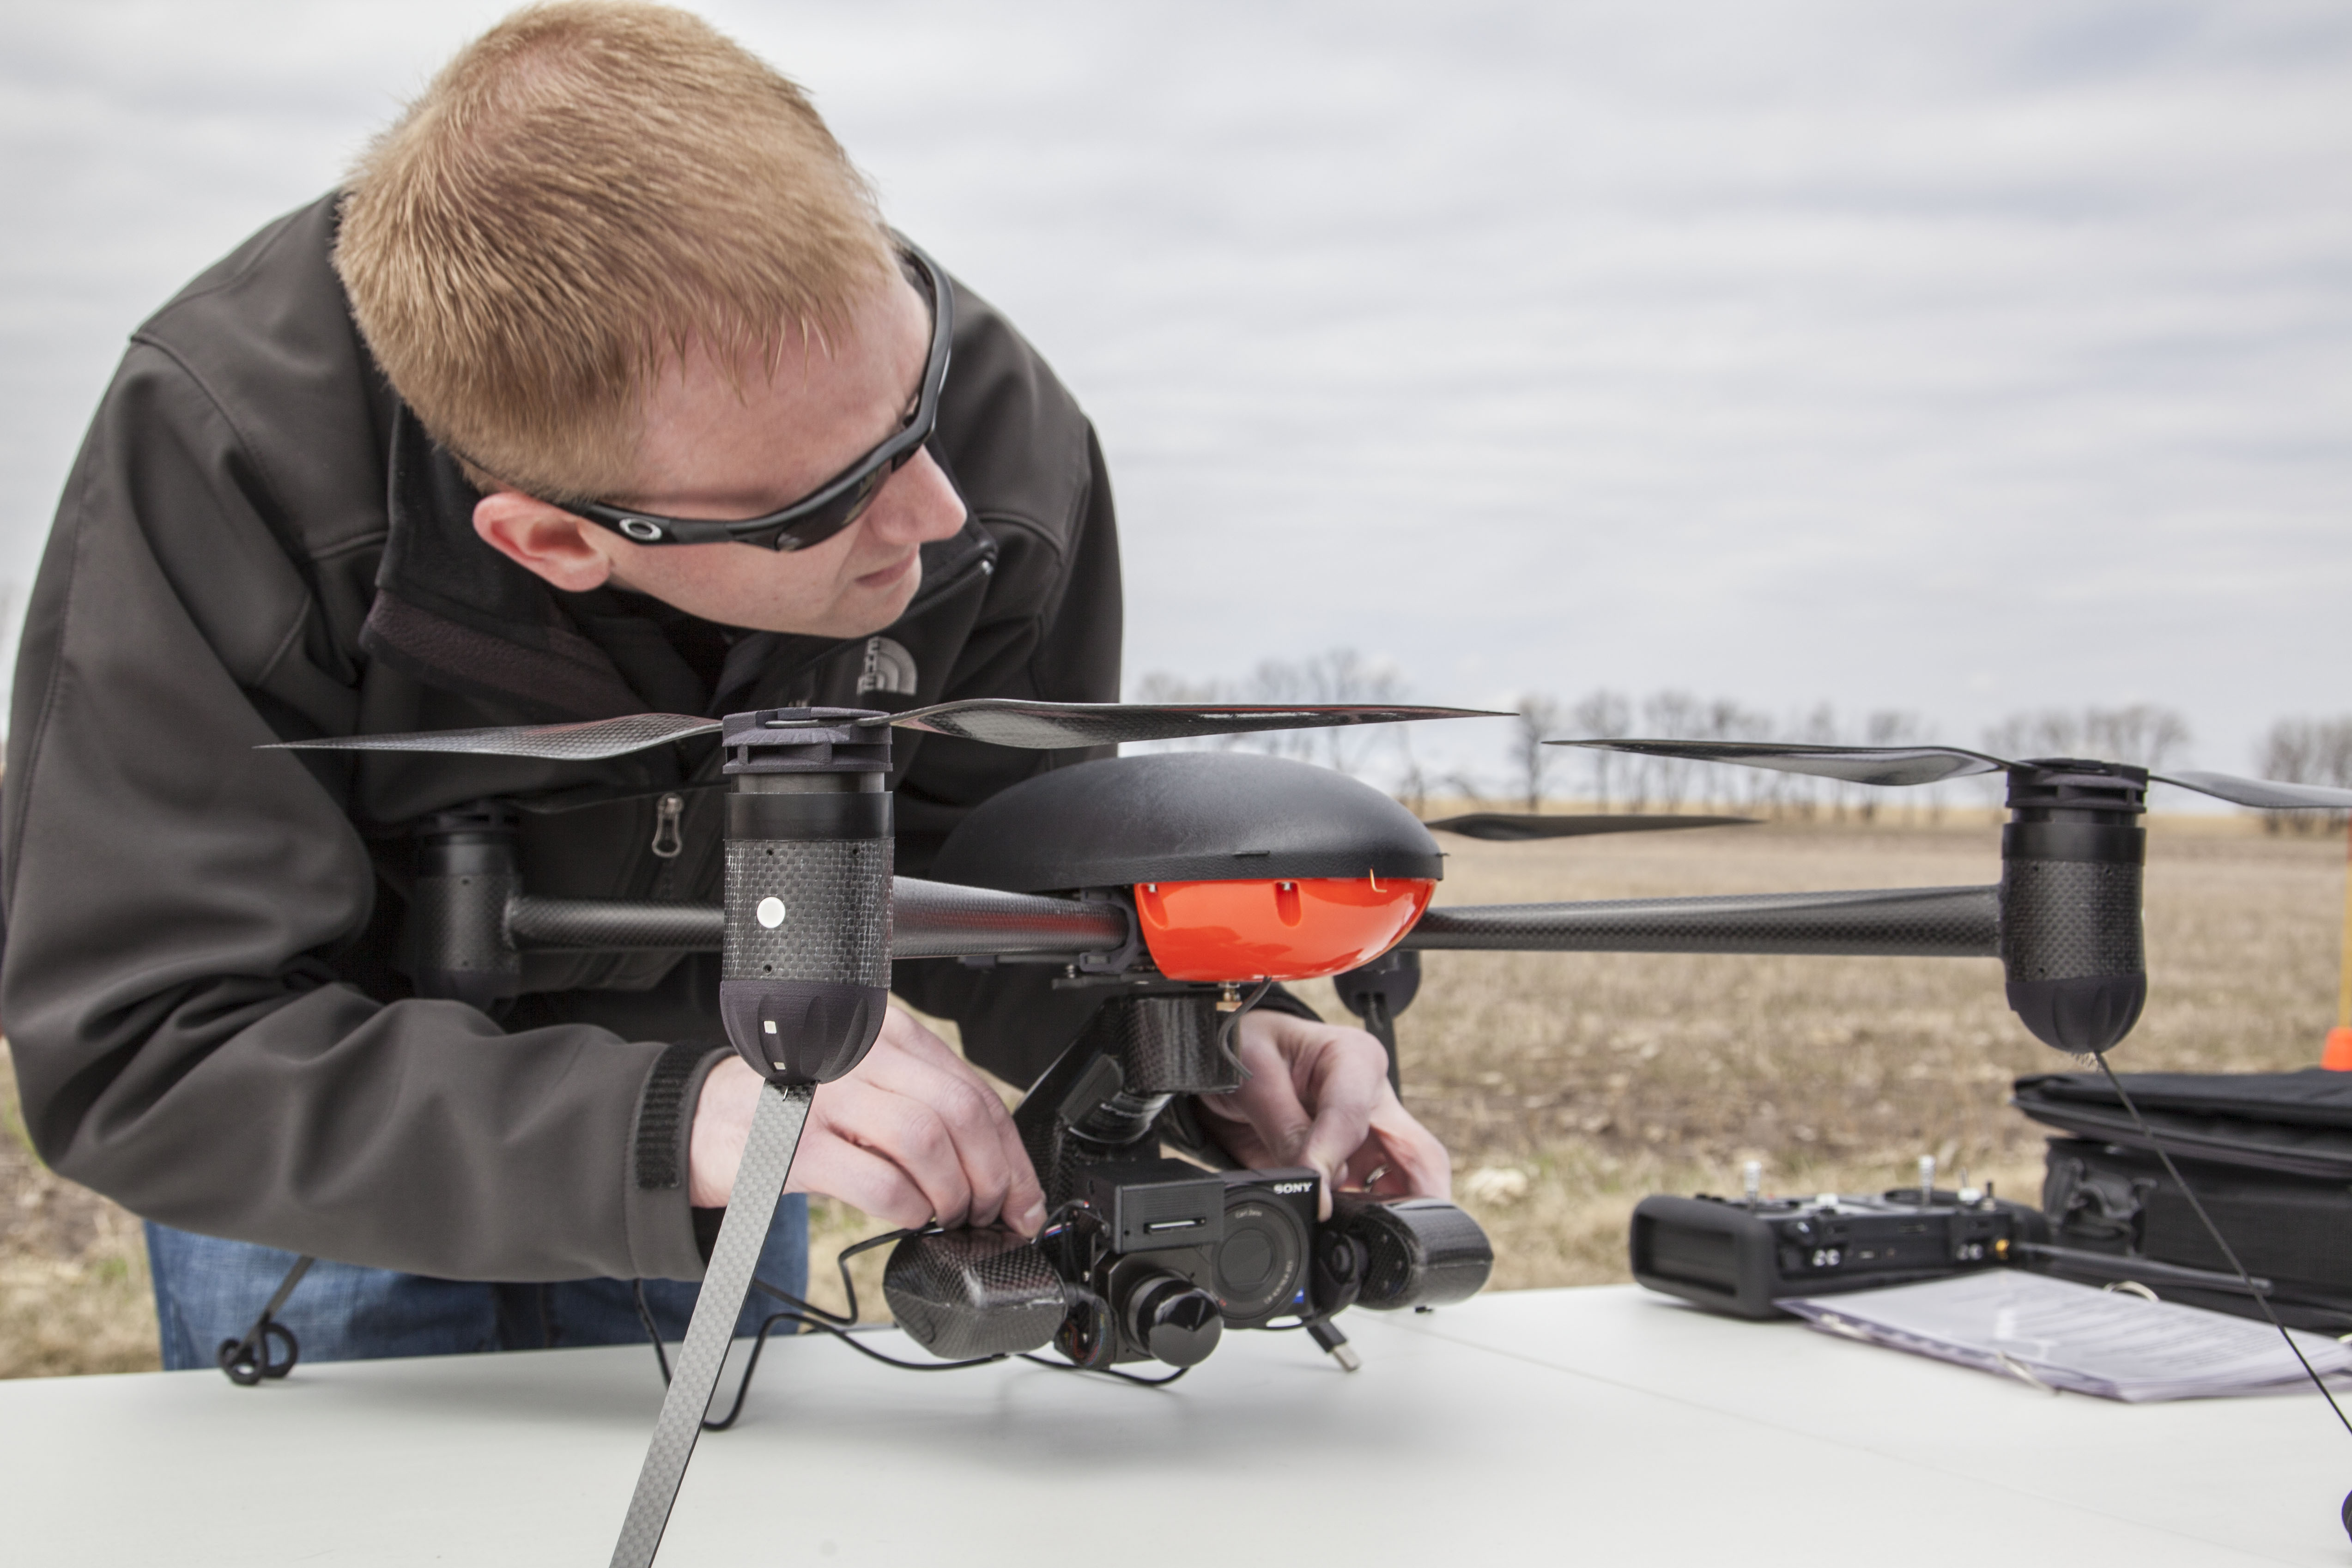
column 581, row 192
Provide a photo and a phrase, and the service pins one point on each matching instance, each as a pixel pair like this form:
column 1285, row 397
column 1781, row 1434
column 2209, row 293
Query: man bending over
column 387, row 467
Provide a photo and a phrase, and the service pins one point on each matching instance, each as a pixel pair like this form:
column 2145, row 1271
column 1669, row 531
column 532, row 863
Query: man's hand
column 912, row 1135
column 1318, row 1095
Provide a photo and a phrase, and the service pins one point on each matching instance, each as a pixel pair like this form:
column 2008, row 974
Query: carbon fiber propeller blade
column 1854, row 764
column 1928, row 764
column 2265, row 794
column 1045, row 727
column 591, row 742
column 999, row 721
column 1510, row 827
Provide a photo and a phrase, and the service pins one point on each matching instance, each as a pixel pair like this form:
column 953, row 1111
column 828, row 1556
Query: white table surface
column 1601, row 1426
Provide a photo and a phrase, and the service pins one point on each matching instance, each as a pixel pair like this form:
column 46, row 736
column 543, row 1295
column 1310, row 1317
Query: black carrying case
column 2268, row 1153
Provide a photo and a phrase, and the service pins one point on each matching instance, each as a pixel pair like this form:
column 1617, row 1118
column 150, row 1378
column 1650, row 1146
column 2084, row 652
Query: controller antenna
column 1927, row 1180
column 1751, row 1176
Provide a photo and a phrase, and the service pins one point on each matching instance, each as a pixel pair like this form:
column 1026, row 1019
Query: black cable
column 1226, row 1026
column 811, row 1316
column 743, row 1384
column 808, row 1315
column 841, row 1328
column 848, row 1285
column 653, row 1330
column 2262, row 1297
column 661, row 1357
column 247, row 1361
column 849, row 1338
column 1106, row 1371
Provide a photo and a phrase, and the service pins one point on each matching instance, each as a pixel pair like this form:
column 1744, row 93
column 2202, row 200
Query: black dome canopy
column 1185, row 816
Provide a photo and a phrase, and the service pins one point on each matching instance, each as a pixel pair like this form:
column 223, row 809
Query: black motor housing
column 467, row 871
column 804, row 971
column 2071, row 859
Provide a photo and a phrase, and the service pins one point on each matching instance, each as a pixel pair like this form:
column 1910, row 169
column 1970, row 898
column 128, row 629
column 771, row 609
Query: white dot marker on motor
column 771, row 913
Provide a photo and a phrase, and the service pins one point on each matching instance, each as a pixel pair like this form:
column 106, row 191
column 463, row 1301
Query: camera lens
column 1261, row 1264
column 1340, row 1262
column 1175, row 1320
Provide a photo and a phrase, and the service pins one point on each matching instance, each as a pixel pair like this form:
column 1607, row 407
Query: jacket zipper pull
column 668, row 840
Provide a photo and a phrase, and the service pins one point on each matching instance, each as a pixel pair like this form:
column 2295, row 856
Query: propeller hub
column 806, row 740
column 2070, row 788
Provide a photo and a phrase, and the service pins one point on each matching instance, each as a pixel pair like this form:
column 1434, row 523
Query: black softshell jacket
column 203, row 977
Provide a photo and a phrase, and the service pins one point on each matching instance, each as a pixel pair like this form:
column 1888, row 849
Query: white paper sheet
column 2068, row 1336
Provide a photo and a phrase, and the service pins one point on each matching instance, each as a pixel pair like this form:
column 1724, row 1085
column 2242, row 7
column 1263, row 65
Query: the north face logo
column 888, row 668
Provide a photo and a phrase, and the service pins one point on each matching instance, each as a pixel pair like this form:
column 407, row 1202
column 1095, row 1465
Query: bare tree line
column 2307, row 751
column 2142, row 734
column 1533, row 774
column 1614, row 780
column 1337, row 676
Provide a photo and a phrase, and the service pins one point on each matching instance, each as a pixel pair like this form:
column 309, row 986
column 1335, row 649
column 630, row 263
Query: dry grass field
column 73, row 1268
column 1569, row 1085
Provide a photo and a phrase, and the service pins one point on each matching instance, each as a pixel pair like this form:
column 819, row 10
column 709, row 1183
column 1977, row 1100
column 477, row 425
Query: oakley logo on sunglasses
column 638, row 528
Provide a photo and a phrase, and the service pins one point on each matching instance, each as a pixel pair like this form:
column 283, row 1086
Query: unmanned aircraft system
column 1181, row 888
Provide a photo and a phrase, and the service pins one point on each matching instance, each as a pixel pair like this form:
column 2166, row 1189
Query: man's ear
column 544, row 540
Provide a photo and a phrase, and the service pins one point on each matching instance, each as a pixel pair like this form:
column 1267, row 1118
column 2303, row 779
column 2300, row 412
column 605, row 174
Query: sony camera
column 1154, row 1260
column 1147, row 1258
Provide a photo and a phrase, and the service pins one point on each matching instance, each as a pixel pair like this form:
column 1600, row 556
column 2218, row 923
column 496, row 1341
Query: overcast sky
column 1958, row 358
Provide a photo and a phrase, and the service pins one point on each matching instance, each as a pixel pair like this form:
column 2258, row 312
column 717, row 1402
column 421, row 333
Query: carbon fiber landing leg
column 767, row 1159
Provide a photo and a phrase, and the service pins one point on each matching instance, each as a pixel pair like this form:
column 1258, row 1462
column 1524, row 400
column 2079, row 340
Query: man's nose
column 916, row 505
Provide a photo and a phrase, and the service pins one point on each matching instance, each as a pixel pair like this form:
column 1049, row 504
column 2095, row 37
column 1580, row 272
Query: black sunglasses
column 839, row 501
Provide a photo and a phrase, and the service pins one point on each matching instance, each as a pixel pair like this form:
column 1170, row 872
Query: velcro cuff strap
column 663, row 1115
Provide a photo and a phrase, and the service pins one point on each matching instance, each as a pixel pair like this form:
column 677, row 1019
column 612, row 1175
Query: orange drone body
column 1298, row 929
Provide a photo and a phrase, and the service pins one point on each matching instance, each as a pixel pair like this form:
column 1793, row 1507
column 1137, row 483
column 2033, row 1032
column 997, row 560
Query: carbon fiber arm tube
column 612, row 924
column 1916, row 922
column 942, row 920
column 930, row 919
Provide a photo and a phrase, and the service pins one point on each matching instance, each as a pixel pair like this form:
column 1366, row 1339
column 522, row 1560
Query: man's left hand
column 1318, row 1095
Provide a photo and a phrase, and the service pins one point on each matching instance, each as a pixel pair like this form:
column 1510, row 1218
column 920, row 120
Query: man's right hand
column 912, row 1135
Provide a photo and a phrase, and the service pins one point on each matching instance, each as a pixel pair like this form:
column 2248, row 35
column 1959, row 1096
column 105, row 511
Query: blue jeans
column 208, row 1290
